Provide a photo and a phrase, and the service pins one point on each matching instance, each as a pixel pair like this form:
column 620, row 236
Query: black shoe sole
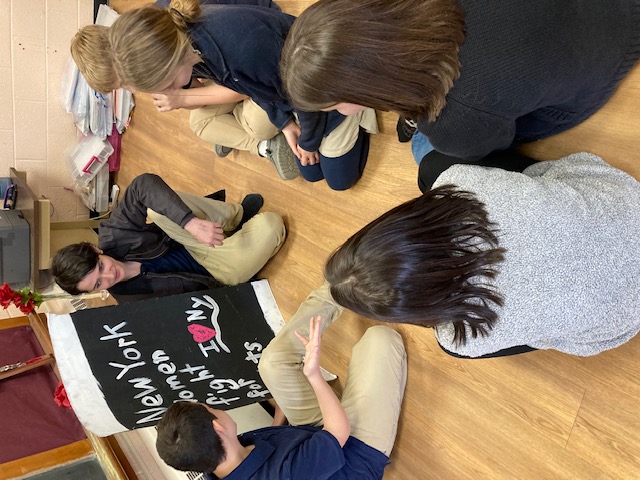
column 405, row 132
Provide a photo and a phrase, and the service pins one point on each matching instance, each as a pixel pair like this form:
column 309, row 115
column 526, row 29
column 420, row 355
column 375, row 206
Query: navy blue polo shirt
column 176, row 259
column 305, row 453
column 241, row 47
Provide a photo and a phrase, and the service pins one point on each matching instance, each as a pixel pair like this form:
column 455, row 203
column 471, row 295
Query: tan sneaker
column 282, row 157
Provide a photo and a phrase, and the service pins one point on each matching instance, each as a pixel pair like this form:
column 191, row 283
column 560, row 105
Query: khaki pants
column 375, row 384
column 344, row 137
column 244, row 124
column 242, row 254
column 239, row 125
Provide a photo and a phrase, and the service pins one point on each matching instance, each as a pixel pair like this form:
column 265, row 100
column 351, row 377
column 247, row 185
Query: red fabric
column 115, row 139
column 60, row 396
column 31, row 421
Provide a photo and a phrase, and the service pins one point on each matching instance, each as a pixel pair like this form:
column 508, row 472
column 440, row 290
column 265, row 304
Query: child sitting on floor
column 328, row 438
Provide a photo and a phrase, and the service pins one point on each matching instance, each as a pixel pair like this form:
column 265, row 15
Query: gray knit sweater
column 571, row 275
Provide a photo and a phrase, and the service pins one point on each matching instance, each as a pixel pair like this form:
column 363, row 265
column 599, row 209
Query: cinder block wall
column 35, row 130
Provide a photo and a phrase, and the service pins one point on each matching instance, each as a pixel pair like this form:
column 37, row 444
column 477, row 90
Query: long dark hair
column 426, row 262
column 399, row 55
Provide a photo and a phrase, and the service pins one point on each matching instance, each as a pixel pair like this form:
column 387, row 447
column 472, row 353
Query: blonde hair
column 399, row 55
column 148, row 44
column 91, row 51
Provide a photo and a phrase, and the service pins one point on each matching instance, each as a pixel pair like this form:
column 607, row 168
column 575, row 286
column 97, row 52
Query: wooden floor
column 539, row 415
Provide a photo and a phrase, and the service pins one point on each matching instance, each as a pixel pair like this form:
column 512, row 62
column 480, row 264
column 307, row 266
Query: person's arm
column 196, row 96
column 312, row 125
column 150, row 191
column 334, row 416
column 305, row 139
column 253, row 61
column 291, row 132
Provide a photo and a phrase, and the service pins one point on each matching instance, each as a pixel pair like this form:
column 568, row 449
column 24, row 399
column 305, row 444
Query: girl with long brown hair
column 501, row 262
column 475, row 76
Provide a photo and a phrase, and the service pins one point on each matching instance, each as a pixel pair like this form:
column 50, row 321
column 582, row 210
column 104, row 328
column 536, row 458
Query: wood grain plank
column 607, row 432
column 45, row 460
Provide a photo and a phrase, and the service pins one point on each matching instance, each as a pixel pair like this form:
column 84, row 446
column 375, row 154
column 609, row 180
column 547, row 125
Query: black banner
column 201, row 346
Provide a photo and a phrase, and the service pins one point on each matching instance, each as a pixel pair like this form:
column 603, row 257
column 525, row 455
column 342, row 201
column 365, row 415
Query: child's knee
column 382, row 336
column 342, row 183
column 262, row 132
column 272, row 225
column 266, row 366
column 198, row 124
column 311, row 173
column 281, row 355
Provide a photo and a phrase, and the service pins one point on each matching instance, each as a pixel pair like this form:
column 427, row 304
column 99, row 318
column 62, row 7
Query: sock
column 251, row 205
column 262, row 148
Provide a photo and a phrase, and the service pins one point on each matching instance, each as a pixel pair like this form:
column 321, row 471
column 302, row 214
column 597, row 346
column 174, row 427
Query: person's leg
column 255, row 121
column 281, row 362
column 311, row 173
column 343, row 138
column 344, row 151
column 374, row 389
column 242, row 254
column 227, row 214
column 343, row 166
column 342, row 172
column 420, row 146
column 434, row 163
column 217, row 125
column 505, row 352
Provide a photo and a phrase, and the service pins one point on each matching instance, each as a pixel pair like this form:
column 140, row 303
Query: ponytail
column 149, row 43
column 184, row 11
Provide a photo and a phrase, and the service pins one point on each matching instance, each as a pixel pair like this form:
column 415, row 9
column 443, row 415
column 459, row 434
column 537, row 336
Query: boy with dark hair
column 187, row 441
column 327, row 438
column 194, row 243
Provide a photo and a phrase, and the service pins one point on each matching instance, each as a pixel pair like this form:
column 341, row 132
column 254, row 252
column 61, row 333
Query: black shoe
column 405, row 128
column 220, row 195
column 251, row 205
column 222, row 151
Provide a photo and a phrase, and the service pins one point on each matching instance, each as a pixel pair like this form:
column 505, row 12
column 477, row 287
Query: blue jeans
column 420, row 146
column 341, row 172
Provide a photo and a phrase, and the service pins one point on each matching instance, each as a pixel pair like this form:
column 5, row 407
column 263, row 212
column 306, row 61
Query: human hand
column 169, row 100
column 206, row 232
column 312, row 348
column 291, row 132
column 308, row 158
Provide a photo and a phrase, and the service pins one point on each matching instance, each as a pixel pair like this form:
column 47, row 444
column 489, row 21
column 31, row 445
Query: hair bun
column 177, row 17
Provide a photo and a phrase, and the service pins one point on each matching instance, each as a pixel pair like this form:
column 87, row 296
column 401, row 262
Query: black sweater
column 533, row 68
